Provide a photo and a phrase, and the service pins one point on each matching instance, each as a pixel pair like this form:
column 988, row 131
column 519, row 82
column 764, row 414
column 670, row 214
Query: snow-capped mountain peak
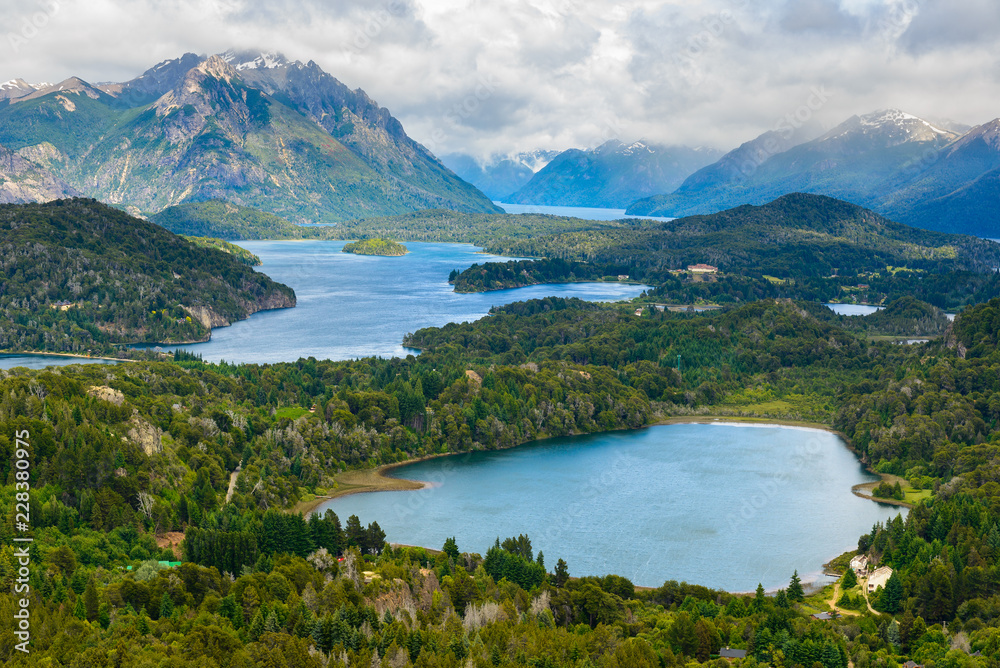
column 897, row 118
column 254, row 60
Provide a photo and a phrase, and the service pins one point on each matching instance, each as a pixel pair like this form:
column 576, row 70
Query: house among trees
column 859, row 564
column 879, row 578
column 825, row 616
column 732, row 654
column 702, row 269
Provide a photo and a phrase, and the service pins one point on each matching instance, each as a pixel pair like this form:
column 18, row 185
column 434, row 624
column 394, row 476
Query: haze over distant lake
column 352, row 306
column 585, row 212
column 721, row 505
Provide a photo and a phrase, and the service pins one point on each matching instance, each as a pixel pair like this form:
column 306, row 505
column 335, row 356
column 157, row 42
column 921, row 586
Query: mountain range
column 498, row 175
column 935, row 176
column 252, row 128
column 612, row 175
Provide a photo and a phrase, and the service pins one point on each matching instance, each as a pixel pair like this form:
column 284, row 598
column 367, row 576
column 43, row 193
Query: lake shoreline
column 377, row 480
column 365, row 481
column 529, row 285
column 19, row 353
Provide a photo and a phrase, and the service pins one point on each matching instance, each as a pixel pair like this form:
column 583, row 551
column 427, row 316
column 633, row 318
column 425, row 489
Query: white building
column 879, row 578
column 859, row 564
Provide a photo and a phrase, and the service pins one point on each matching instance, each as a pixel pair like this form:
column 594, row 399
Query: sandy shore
column 723, row 419
column 361, row 481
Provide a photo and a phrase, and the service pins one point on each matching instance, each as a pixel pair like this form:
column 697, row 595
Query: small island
column 384, row 247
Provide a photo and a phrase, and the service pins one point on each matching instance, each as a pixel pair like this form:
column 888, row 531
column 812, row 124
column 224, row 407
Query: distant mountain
column 958, row 188
column 612, row 175
column 895, row 163
column 855, row 161
column 498, row 175
column 733, row 168
column 255, row 129
column 15, row 88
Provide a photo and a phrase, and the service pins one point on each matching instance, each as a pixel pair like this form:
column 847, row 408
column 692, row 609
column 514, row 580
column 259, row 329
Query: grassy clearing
column 291, row 412
column 911, row 495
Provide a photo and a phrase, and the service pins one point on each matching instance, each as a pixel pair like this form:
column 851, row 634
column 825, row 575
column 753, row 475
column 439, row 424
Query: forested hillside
column 120, row 456
column 799, row 246
column 78, row 276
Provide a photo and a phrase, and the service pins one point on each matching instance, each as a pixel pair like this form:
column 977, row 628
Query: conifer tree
column 795, row 591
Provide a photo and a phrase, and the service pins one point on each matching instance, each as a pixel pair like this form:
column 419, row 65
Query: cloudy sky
column 484, row 76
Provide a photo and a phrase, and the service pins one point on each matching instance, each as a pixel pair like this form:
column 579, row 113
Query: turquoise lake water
column 721, row 505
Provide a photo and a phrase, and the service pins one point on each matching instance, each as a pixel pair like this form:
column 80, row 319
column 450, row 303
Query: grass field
column 291, row 412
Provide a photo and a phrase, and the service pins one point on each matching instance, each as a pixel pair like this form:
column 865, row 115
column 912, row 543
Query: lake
column 853, row 309
column 352, row 306
column 651, row 504
column 42, row 361
column 585, row 212
column 864, row 309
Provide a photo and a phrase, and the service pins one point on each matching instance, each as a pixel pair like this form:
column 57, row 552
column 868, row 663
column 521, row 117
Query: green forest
column 127, row 457
column 166, row 497
column 77, row 276
column 800, row 246
column 805, row 247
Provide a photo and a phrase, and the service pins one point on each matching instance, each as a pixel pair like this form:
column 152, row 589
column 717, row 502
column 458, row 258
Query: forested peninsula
column 81, row 277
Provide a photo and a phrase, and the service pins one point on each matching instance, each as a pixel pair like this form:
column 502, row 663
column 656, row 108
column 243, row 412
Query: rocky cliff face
column 25, row 180
column 209, row 318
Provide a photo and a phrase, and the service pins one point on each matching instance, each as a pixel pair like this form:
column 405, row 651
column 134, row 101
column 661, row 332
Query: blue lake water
column 352, row 306
column 853, row 309
column 585, row 212
column 864, row 309
column 42, row 361
column 721, row 505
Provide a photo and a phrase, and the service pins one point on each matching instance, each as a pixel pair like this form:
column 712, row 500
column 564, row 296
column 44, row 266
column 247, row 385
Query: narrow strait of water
column 352, row 306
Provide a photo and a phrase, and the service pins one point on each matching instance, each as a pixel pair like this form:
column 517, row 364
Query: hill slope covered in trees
column 80, row 276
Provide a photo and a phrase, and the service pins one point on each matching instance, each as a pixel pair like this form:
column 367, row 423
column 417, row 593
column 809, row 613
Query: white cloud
column 482, row 76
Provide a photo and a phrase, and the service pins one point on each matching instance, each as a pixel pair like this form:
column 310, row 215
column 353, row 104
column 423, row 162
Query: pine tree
column 79, row 611
column 795, row 591
column 890, row 600
column 166, row 606
column 90, row 600
column 759, row 598
column 451, row 548
column 374, row 538
column 850, row 580
column 562, row 573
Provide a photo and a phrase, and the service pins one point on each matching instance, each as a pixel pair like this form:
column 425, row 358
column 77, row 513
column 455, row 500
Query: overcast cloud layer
column 484, row 76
